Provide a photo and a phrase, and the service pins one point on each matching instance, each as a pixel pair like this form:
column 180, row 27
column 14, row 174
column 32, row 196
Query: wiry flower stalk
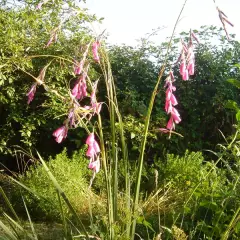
column 145, row 133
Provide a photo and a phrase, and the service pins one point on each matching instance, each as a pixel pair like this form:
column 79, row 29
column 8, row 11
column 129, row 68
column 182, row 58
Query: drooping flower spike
column 171, row 101
column 187, row 58
column 223, row 19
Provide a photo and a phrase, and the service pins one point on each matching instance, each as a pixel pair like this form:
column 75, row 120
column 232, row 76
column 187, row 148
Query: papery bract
column 97, row 107
column 78, row 67
column 194, row 36
column 72, row 115
column 31, row 92
column 93, row 94
column 49, row 41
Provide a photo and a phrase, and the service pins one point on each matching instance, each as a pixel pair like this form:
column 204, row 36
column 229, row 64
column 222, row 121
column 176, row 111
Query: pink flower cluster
column 187, row 58
column 92, row 153
column 187, row 65
column 79, row 92
column 171, row 102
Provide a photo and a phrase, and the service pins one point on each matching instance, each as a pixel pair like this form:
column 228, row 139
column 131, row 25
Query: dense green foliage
column 22, row 44
column 195, row 195
column 71, row 174
column 202, row 100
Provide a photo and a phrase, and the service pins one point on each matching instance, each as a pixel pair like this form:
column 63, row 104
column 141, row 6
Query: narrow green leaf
column 9, row 204
column 61, row 192
column 30, row 221
column 7, row 231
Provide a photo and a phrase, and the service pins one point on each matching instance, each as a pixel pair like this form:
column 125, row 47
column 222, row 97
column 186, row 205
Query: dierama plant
column 80, row 114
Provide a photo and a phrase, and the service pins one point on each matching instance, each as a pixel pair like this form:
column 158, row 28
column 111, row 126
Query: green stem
column 234, row 220
column 147, row 121
column 110, row 84
column 107, row 179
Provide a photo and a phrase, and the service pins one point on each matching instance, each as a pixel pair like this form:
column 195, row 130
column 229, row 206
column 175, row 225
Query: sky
column 126, row 21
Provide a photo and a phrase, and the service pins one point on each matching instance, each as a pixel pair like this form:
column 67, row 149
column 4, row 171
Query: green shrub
column 206, row 196
column 73, row 176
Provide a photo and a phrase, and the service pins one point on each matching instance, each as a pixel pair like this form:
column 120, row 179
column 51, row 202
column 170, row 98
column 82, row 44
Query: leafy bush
column 199, row 197
column 72, row 175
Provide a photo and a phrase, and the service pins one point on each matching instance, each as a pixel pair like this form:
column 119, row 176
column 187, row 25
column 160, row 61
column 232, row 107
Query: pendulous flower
column 32, row 92
column 93, row 149
column 61, row 133
column 95, row 166
column 95, row 47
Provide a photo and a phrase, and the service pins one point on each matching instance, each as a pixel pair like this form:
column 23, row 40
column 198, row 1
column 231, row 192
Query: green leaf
column 237, row 65
column 141, row 220
column 232, row 105
column 148, row 225
column 238, row 116
column 234, row 82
